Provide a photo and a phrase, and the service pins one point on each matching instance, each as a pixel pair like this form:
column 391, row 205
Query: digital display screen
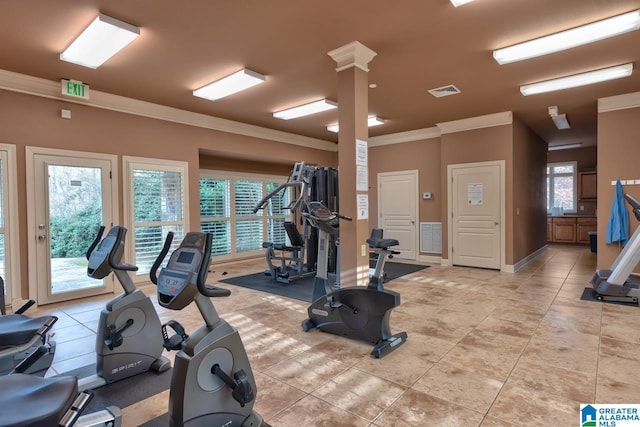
column 185, row 257
column 171, row 283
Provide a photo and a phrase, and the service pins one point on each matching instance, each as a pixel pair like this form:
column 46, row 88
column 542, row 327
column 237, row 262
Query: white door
column 398, row 210
column 71, row 196
column 476, row 215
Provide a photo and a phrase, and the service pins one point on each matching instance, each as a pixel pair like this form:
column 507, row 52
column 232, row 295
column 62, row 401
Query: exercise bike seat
column 17, row 329
column 381, row 243
column 30, row 400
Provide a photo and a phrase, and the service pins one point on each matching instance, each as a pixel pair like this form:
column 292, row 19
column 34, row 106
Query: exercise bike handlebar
column 163, row 253
column 208, row 291
column 95, row 241
column 117, row 265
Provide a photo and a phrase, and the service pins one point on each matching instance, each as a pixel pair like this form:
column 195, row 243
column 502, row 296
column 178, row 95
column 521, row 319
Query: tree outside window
column 562, row 186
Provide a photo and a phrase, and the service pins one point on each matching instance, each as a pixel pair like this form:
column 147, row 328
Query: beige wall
column 423, row 156
column 618, row 142
column 34, row 121
column 479, row 145
column 529, row 192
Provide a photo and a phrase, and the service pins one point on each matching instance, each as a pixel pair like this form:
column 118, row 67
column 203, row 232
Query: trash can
column 593, row 240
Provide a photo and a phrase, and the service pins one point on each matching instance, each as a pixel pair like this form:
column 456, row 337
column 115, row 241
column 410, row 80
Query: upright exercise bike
column 356, row 312
column 129, row 335
column 212, row 382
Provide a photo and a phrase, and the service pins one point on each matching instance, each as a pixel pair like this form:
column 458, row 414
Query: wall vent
column 439, row 92
column 431, row 237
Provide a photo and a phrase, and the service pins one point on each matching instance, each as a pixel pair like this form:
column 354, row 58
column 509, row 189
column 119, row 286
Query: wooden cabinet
column 587, row 185
column 566, row 229
column 585, row 225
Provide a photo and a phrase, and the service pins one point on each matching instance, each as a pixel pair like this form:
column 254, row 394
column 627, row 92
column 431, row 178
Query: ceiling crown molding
column 408, row 136
column 354, row 54
column 489, row 120
column 36, row 86
column 619, row 102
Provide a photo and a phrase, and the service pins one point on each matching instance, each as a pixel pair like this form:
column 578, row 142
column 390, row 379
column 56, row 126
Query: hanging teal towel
column 618, row 226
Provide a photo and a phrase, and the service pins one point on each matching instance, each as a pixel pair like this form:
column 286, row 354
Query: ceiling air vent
column 439, row 92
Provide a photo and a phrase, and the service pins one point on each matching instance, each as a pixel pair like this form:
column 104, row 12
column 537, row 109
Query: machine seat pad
column 280, row 247
column 30, row 400
column 17, row 329
column 382, row 243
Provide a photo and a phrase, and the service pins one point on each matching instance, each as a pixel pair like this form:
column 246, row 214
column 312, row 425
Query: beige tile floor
column 485, row 349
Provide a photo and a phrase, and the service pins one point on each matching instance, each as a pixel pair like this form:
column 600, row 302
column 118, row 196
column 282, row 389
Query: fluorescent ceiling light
column 561, row 121
column 306, row 109
column 576, row 80
column 563, row 147
column 233, row 83
column 570, row 38
column 102, row 39
column 457, row 3
column 371, row 121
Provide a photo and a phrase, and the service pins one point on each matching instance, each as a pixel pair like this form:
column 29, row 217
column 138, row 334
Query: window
column 226, row 210
column 562, row 186
column 9, row 265
column 157, row 205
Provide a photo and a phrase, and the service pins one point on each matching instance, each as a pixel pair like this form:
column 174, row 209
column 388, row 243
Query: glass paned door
column 73, row 199
column 75, row 216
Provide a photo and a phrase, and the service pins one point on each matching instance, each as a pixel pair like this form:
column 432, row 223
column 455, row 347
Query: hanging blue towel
column 618, row 227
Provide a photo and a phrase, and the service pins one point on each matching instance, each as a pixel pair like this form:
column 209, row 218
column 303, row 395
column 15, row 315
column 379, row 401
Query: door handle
column 496, row 223
column 42, row 237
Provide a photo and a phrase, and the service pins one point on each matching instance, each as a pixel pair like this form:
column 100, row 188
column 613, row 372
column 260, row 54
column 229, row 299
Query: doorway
column 476, row 214
column 398, row 210
column 71, row 194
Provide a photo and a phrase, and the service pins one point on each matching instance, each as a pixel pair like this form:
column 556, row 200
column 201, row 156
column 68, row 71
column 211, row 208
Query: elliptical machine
column 618, row 284
column 129, row 334
column 212, row 383
column 356, row 312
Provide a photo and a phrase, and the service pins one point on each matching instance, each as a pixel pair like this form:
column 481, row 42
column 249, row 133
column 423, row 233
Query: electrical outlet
column 363, row 250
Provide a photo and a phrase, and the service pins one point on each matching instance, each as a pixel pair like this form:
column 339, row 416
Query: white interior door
column 398, row 210
column 71, row 197
column 476, row 215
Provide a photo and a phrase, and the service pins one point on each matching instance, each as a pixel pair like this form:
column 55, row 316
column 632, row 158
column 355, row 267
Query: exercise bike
column 129, row 335
column 618, row 284
column 22, row 335
column 357, row 312
column 32, row 401
column 212, row 383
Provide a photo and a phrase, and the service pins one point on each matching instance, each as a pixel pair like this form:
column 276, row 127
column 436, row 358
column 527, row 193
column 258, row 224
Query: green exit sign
column 75, row 88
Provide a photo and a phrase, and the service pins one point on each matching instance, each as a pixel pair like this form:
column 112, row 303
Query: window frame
column 12, row 281
column 133, row 163
column 550, row 178
column 232, row 177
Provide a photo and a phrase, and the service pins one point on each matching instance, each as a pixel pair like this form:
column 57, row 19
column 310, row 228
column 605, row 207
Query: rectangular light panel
column 371, row 121
column 563, row 147
column 570, row 38
column 305, row 109
column 576, row 80
column 233, row 83
column 457, row 3
column 102, row 39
